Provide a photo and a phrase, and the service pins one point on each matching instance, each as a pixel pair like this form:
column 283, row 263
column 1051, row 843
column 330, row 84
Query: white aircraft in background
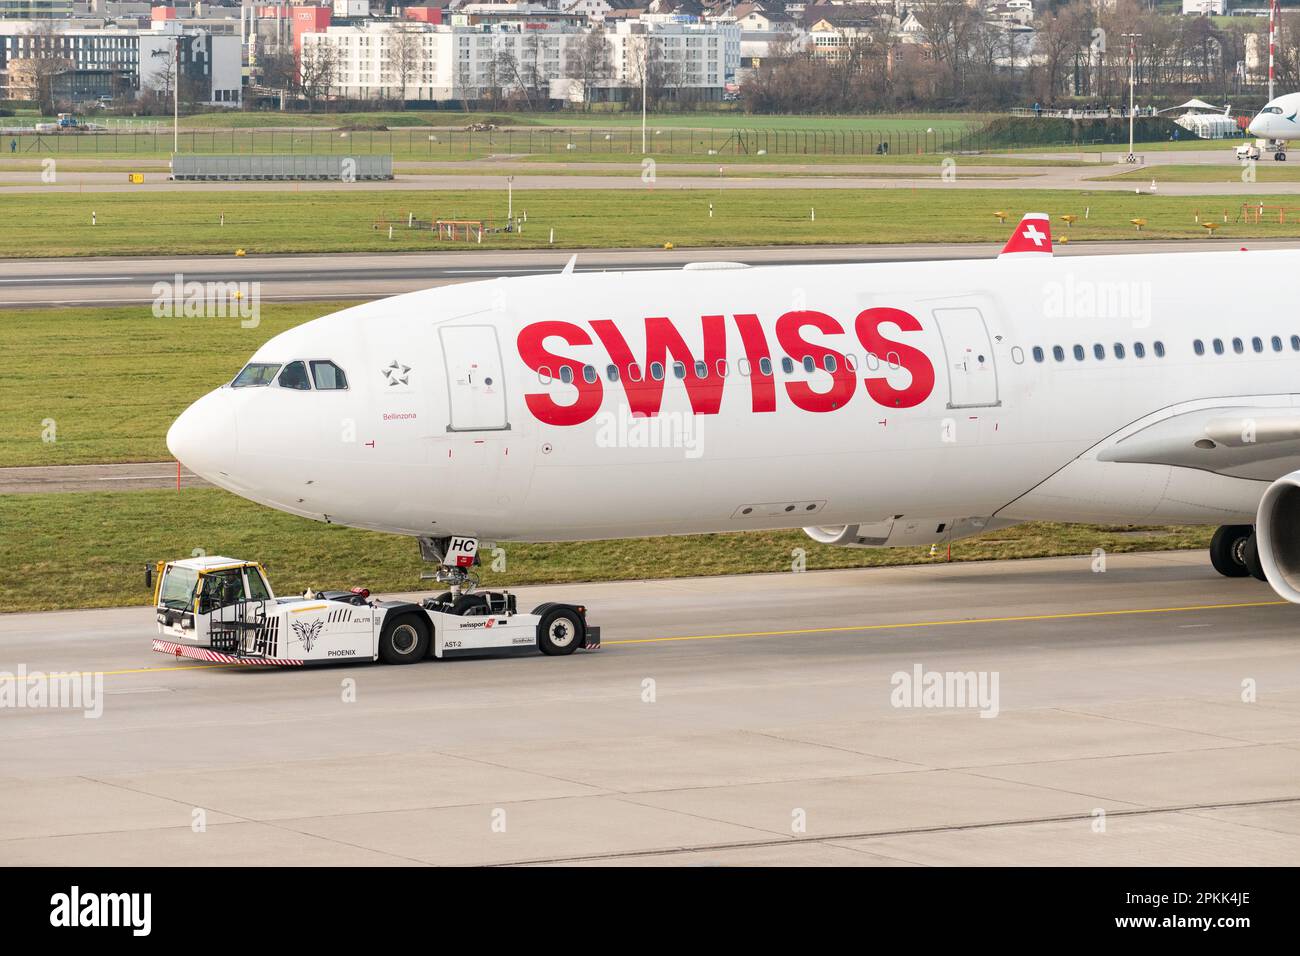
column 873, row 405
column 1276, row 122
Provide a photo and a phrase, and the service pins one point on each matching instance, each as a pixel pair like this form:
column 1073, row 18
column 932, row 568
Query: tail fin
column 1032, row 237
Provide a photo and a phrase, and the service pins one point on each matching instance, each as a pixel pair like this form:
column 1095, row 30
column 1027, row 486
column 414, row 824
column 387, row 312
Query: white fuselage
column 1277, row 120
column 469, row 409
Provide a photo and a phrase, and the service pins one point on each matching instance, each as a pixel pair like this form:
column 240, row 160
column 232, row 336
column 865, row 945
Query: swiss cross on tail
column 1032, row 237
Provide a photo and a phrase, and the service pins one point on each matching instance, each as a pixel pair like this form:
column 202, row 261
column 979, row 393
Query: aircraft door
column 968, row 354
column 476, row 389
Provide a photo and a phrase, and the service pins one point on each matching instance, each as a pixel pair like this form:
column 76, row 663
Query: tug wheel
column 559, row 633
column 404, row 640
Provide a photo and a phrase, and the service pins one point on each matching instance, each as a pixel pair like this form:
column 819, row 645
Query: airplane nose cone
column 203, row 438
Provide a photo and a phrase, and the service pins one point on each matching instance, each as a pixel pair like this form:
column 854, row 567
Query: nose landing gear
column 1235, row 553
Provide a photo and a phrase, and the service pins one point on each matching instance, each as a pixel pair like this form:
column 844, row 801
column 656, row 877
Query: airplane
column 1276, row 122
column 871, row 405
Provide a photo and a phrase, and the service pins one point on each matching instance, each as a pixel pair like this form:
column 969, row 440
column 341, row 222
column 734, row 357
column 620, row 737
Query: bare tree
column 948, row 26
column 589, row 62
column 46, row 58
column 317, row 71
column 404, row 54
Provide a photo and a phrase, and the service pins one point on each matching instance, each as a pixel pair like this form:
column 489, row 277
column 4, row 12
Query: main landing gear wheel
column 559, row 632
column 404, row 640
column 1280, row 157
column 1227, row 550
column 1250, row 557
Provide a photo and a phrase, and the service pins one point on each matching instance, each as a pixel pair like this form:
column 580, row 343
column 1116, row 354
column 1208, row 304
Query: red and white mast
column 1272, row 43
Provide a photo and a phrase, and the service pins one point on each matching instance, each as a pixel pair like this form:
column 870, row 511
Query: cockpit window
column 255, row 373
column 328, row 376
column 295, row 376
column 1271, row 109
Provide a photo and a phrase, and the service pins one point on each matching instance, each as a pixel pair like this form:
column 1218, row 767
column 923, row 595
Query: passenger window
column 701, row 369
column 1237, row 346
column 566, row 374
column 1218, row 346
column 634, row 373
column 765, row 365
column 787, row 365
column 829, row 363
column 1099, row 350
column 611, row 372
column 851, row 361
column 722, row 367
column 1119, row 350
column 1159, row 348
column 328, row 376
column 742, row 366
column 1277, row 343
column 1257, row 344
column 295, row 376
column 544, row 375
column 1017, row 355
column 1198, row 347
column 1078, row 353
column 1139, row 350
column 657, row 371
column 808, row 364
column 1038, row 353
column 679, row 370
column 589, row 373
column 1058, row 353
column 1295, row 343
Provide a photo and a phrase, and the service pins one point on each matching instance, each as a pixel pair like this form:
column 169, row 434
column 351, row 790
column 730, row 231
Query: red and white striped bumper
column 197, row 653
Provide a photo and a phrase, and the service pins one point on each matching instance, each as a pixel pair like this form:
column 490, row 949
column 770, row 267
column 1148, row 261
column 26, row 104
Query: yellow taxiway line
column 897, row 625
column 846, row 628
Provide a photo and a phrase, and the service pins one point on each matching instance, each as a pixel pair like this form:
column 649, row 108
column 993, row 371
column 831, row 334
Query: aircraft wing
column 1258, row 443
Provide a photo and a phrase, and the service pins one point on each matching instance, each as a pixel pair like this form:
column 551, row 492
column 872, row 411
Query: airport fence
column 411, row 144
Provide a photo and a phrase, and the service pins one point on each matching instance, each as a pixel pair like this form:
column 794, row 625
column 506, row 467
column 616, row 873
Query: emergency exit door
column 476, row 389
column 968, row 354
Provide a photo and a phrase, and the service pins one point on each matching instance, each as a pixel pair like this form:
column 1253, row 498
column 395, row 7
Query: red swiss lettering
column 662, row 339
column 762, row 385
column 788, row 329
column 532, row 349
column 909, row 357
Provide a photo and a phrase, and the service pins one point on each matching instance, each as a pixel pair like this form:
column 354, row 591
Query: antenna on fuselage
column 568, row 266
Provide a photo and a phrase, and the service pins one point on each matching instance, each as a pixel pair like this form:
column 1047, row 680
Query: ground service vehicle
column 223, row 610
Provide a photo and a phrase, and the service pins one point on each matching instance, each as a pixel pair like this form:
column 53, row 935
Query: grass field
column 1158, row 146
column 824, row 137
column 112, row 380
column 90, row 550
column 728, row 119
column 543, row 163
column 1264, row 172
column 345, row 221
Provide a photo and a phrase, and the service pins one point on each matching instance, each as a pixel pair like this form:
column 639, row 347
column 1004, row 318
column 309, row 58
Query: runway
column 135, row 476
column 726, row 721
column 26, row 283
column 711, row 173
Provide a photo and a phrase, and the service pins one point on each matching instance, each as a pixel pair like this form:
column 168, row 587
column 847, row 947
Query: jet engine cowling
column 1277, row 536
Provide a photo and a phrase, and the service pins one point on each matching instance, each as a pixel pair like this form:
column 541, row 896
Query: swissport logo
column 882, row 332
